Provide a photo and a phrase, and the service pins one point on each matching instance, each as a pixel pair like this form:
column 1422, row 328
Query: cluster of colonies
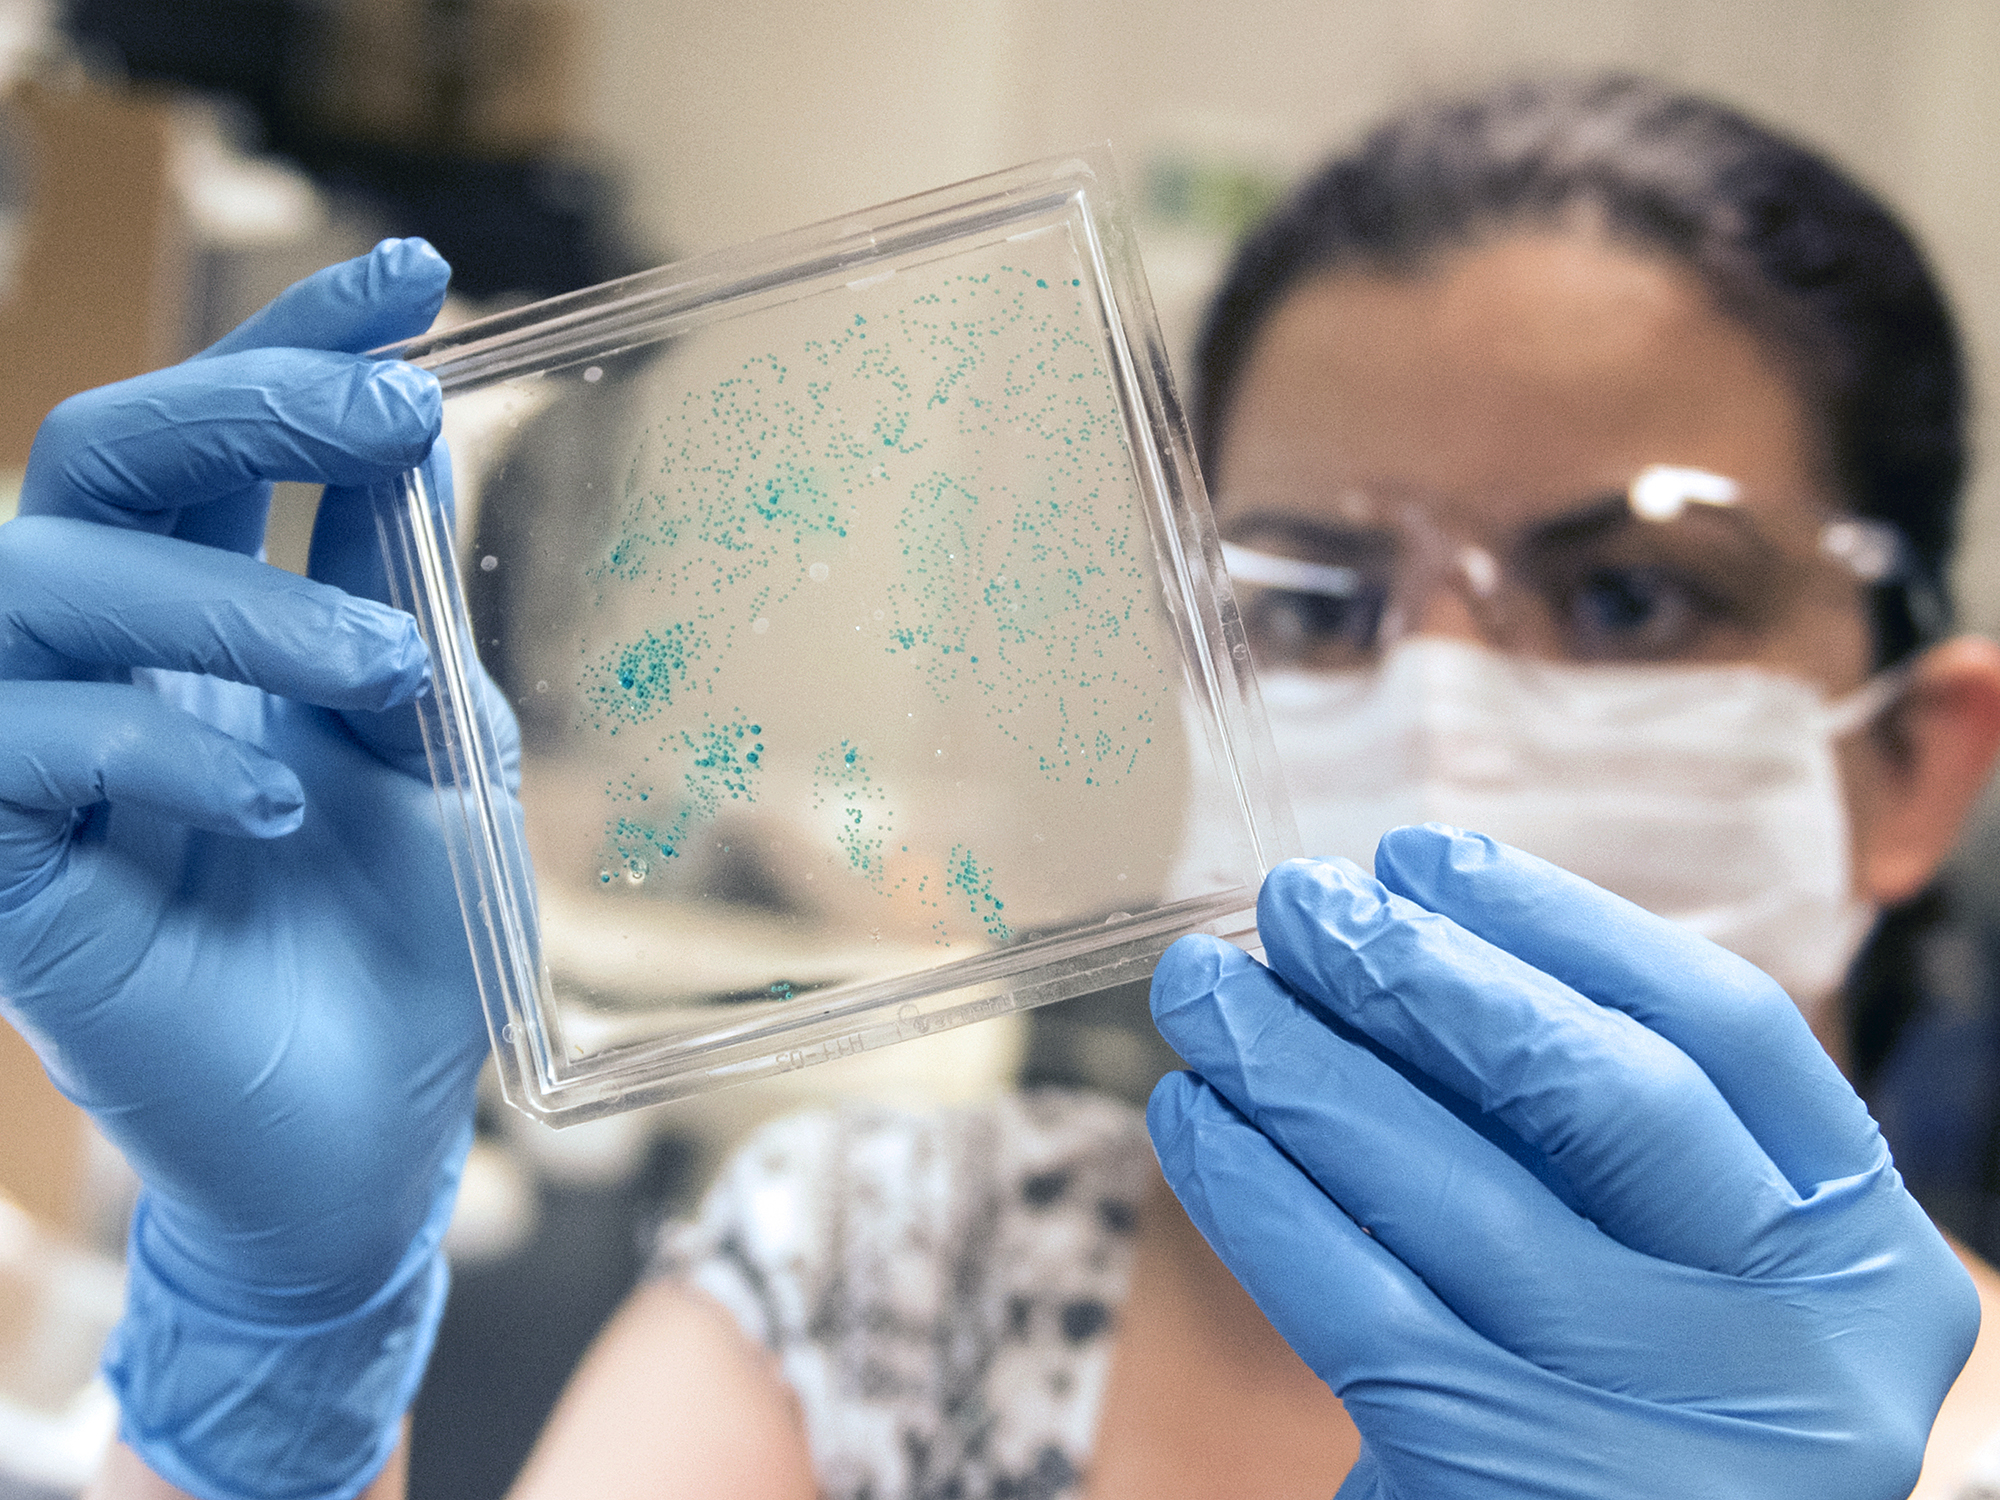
column 637, row 679
column 979, row 416
column 721, row 763
column 863, row 825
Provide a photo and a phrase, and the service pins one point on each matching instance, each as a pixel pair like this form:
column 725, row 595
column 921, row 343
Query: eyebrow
column 1590, row 517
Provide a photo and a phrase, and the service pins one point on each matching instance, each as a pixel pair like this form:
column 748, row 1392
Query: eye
column 1699, row 588
column 1314, row 596
column 1287, row 627
column 1634, row 614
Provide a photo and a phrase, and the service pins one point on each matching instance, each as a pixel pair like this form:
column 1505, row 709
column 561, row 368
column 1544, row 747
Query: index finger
column 206, row 433
column 1736, row 1023
column 393, row 292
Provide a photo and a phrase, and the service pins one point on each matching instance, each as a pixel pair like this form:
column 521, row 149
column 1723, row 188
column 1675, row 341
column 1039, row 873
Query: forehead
column 1515, row 375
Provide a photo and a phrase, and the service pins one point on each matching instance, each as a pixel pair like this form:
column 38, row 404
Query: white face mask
column 1709, row 795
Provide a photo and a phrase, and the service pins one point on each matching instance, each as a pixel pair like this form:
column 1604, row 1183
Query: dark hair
column 1784, row 241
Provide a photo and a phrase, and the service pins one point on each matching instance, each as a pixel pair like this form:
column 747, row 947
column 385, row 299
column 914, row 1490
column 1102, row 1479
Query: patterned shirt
column 939, row 1288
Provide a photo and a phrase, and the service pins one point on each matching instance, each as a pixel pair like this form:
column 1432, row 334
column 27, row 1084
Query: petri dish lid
column 850, row 610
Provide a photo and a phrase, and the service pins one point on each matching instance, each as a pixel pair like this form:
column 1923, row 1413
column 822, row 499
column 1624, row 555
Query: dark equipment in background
column 444, row 118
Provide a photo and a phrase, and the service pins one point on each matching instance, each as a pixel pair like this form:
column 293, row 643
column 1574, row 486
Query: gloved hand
column 1560, row 1199
column 227, row 920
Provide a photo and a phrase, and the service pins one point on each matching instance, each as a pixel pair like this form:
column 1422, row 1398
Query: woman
column 1428, row 371
column 1608, row 1221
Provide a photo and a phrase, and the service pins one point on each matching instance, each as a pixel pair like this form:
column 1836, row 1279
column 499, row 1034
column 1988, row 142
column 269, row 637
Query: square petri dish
column 858, row 603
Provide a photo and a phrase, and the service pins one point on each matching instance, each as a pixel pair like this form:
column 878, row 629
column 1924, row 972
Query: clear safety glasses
column 1679, row 567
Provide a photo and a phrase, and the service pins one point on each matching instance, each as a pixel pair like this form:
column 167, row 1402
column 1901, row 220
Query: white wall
column 747, row 116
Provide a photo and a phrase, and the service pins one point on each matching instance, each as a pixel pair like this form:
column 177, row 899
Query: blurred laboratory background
column 167, row 165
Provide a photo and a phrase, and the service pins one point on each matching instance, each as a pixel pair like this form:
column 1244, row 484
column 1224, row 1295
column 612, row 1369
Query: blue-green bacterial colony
column 932, row 487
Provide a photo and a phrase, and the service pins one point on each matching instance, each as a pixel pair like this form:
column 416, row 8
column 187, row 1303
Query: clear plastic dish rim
column 489, row 857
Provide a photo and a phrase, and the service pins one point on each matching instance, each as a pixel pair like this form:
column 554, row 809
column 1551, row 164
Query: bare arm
column 672, row 1401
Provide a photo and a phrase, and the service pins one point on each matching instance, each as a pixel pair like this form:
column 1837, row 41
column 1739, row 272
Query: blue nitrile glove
column 227, row 920
column 1560, row 1199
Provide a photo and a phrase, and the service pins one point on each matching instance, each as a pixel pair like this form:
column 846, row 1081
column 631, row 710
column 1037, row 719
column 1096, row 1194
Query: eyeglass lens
column 1594, row 583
